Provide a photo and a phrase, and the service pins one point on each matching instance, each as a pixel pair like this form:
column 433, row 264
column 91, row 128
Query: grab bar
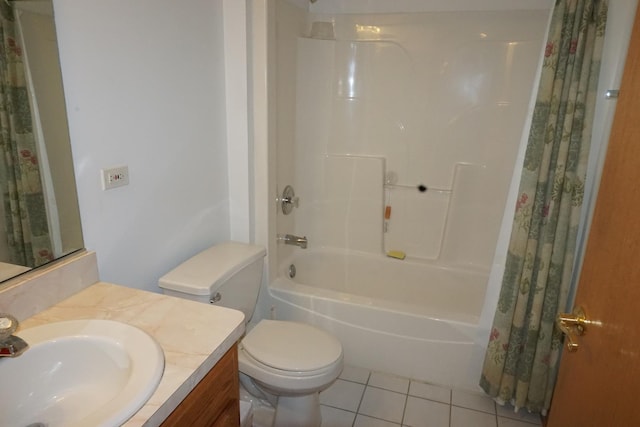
column 414, row 187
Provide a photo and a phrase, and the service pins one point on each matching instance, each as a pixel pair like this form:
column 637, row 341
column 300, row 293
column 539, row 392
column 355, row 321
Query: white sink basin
column 79, row 373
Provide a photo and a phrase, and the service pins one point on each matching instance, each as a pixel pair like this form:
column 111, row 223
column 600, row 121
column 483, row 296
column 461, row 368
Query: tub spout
column 290, row 239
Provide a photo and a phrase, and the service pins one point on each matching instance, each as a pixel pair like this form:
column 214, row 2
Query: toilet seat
column 275, row 343
column 292, row 347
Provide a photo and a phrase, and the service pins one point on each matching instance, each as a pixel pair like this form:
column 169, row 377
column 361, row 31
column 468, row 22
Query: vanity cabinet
column 215, row 401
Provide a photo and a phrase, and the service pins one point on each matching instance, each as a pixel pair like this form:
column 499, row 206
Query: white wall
column 144, row 84
column 235, row 62
column 290, row 21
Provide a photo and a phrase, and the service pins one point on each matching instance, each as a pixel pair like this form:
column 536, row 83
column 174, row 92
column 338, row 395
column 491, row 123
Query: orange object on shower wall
column 387, row 212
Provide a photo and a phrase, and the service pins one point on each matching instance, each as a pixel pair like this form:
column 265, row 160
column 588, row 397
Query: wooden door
column 599, row 384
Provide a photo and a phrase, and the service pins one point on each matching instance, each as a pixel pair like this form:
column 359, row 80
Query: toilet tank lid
column 205, row 272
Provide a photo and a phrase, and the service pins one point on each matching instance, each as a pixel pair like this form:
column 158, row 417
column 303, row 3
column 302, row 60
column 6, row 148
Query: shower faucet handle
column 289, row 200
column 8, row 325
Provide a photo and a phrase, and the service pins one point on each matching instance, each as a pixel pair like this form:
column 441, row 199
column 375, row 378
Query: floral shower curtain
column 524, row 345
column 24, row 206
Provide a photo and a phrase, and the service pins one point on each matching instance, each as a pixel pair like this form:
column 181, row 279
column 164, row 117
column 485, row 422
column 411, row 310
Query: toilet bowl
column 290, row 362
column 294, row 362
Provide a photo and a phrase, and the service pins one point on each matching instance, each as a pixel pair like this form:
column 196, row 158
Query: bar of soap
column 396, row 254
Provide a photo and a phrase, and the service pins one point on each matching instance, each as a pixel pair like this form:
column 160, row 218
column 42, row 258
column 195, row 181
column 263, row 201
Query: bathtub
column 402, row 317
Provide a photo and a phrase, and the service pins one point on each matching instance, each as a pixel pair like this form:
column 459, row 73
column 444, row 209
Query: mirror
column 39, row 214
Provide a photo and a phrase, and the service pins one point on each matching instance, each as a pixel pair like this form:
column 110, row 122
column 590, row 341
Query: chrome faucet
column 290, row 239
column 10, row 345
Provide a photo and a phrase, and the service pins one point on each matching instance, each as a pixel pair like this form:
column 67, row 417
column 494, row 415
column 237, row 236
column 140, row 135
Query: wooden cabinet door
column 215, row 401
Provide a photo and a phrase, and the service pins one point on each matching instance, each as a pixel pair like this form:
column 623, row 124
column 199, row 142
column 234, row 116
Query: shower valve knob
column 293, row 201
column 289, row 200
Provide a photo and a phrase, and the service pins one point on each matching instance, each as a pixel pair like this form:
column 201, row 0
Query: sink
column 79, row 373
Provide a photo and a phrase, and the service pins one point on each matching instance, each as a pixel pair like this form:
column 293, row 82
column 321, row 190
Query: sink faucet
column 290, row 239
column 10, row 345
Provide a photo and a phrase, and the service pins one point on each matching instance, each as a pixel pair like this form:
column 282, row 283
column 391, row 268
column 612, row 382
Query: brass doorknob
column 572, row 325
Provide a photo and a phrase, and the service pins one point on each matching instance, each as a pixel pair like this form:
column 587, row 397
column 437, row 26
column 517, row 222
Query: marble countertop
column 193, row 336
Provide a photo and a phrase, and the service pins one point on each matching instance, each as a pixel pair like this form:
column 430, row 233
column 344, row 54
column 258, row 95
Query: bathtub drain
column 292, row 271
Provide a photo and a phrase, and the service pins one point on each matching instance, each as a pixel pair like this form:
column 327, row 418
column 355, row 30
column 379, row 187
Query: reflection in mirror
column 39, row 215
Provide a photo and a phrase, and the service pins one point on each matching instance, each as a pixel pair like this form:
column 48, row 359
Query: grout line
column 396, row 392
column 361, row 399
column 351, row 381
column 337, row 407
column 475, row 410
column 381, row 419
column 450, row 406
column 404, row 409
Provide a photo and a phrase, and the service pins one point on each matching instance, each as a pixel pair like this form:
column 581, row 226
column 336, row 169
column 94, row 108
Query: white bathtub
column 397, row 316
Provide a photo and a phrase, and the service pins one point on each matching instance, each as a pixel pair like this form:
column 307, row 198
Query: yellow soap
column 396, row 254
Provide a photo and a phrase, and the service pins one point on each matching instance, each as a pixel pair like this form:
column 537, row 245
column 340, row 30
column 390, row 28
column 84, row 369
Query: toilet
column 288, row 362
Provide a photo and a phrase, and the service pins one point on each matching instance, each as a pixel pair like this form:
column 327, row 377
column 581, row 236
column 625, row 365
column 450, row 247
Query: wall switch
column 115, row 177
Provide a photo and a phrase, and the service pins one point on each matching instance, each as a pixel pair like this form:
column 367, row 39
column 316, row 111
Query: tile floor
column 360, row 398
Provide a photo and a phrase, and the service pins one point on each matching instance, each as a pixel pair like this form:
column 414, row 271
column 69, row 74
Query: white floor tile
column 361, row 398
column 355, row 374
column 383, row 404
column 389, row 382
column 334, row 417
column 425, row 413
column 364, row 421
column 429, row 391
column 462, row 417
column 508, row 422
column 506, row 411
column 475, row 401
column 343, row 395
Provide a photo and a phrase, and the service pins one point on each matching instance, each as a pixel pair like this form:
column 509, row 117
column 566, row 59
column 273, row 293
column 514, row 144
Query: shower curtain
column 24, row 205
column 524, row 345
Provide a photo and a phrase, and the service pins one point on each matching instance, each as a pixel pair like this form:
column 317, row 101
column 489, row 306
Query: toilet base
column 301, row 410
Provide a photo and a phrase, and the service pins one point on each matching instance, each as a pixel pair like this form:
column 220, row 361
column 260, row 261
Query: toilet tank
column 228, row 274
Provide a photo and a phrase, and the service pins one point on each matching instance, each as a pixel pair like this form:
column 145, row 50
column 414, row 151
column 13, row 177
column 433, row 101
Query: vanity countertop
column 194, row 336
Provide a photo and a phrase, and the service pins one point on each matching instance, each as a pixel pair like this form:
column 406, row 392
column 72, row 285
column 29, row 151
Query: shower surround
column 372, row 110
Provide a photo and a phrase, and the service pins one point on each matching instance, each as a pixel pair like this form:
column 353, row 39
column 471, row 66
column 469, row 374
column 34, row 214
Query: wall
column 291, row 23
column 145, row 87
